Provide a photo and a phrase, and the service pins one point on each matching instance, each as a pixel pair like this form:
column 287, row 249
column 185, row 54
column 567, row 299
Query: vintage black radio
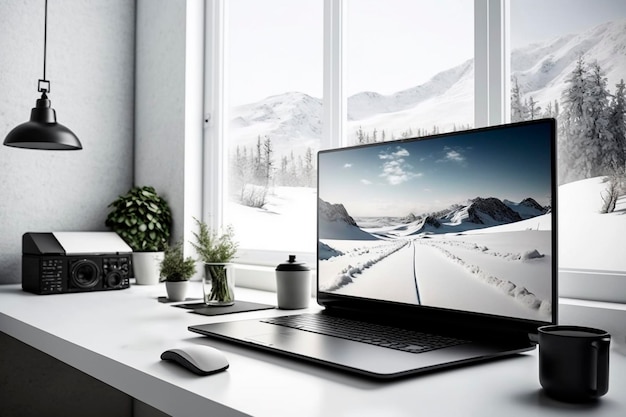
column 64, row 262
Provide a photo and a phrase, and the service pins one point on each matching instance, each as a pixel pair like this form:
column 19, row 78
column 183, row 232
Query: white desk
column 118, row 336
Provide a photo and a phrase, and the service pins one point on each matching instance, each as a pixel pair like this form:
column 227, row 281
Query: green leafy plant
column 175, row 267
column 214, row 248
column 142, row 219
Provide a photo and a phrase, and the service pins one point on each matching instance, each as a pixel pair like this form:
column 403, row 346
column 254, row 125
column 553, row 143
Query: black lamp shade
column 43, row 131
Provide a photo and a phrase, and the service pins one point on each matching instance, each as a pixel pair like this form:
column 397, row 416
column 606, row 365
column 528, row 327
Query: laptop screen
column 463, row 221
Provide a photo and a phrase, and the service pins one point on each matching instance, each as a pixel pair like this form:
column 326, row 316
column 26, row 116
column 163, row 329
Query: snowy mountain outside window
column 410, row 68
column 568, row 61
column 275, row 59
column 396, row 86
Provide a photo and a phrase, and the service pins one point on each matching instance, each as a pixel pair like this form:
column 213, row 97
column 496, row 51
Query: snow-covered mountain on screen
column 478, row 213
column 293, row 120
column 335, row 223
column 527, row 208
column 487, row 211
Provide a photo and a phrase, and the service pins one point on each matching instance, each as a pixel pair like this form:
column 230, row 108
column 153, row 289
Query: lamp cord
column 46, row 84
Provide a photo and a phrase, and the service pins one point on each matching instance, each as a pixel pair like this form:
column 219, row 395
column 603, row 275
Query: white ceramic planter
column 177, row 291
column 147, row 267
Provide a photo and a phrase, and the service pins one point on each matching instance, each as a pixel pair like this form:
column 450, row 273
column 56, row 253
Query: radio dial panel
column 63, row 274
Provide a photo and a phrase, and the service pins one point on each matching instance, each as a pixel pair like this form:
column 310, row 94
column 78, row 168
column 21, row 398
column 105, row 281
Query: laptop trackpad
column 279, row 338
column 346, row 354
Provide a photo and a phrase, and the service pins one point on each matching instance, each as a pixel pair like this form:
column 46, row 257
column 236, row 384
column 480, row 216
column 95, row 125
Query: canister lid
column 292, row 265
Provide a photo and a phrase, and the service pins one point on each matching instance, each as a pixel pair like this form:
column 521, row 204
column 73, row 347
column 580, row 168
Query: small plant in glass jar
column 216, row 251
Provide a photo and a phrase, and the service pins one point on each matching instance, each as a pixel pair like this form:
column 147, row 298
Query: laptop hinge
column 442, row 324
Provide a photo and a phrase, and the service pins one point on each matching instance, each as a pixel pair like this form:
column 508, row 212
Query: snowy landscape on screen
column 502, row 267
column 460, row 221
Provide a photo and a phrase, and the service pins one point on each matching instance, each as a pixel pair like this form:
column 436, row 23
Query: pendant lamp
column 42, row 130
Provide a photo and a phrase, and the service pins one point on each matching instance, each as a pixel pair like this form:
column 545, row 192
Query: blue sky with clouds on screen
column 396, row 178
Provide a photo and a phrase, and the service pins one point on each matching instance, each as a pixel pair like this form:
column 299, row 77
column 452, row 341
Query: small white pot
column 147, row 267
column 176, row 291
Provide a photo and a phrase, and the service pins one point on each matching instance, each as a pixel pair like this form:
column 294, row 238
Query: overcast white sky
column 536, row 20
column 276, row 46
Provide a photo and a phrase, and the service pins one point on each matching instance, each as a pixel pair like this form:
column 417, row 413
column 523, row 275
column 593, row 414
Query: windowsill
column 609, row 286
column 256, row 277
column 605, row 315
column 261, row 277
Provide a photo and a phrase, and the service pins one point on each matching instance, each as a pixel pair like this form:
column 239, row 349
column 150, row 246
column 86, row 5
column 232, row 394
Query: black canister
column 293, row 284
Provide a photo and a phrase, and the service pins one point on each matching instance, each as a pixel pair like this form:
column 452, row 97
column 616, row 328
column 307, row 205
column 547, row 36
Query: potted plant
column 176, row 270
column 142, row 219
column 216, row 252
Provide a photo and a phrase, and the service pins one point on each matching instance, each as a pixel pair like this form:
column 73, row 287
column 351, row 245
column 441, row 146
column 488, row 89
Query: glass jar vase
column 218, row 284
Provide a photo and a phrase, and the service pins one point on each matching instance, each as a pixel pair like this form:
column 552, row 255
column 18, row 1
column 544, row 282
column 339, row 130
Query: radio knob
column 114, row 279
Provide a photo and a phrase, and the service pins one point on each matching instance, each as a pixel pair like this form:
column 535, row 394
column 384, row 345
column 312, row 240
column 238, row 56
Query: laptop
column 433, row 252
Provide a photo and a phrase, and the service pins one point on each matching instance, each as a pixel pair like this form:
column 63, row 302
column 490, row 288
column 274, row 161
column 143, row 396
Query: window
column 567, row 62
column 274, row 89
column 495, row 61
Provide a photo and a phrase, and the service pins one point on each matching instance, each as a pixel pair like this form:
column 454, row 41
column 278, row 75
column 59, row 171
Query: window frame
column 491, row 107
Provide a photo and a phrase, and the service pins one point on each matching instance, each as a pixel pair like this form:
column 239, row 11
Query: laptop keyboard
column 374, row 334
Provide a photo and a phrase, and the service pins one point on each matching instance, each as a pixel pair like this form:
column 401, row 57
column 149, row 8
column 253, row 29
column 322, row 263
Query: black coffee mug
column 574, row 362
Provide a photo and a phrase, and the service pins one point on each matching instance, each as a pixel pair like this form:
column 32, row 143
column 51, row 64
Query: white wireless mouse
column 200, row 359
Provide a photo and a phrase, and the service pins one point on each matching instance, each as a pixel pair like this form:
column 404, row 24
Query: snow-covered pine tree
column 257, row 164
column 556, row 109
column 268, row 161
column 360, row 135
column 518, row 109
column 551, row 110
column 533, row 108
column 600, row 149
column 243, row 177
column 617, row 126
column 586, row 141
column 309, row 169
column 548, row 111
column 572, row 164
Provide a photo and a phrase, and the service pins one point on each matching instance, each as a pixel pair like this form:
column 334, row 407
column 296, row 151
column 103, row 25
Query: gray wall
column 169, row 100
column 90, row 63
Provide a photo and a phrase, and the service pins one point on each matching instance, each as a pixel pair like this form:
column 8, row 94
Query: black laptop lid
column 458, row 226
